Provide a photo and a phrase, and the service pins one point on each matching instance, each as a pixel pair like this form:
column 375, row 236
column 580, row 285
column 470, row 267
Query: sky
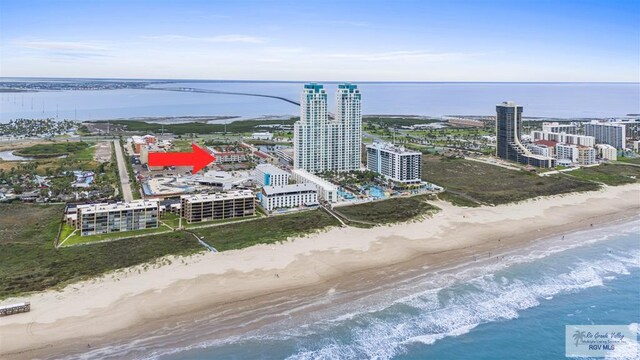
column 356, row 40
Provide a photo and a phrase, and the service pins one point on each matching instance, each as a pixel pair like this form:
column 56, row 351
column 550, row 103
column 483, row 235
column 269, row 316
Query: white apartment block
column 586, row 155
column 207, row 207
column 224, row 157
column 326, row 190
column 103, row 218
column 270, row 175
column 262, row 136
column 606, row 151
column 288, row 196
column 541, row 149
column 607, row 133
column 567, row 152
column 395, row 162
column 556, row 127
column 564, row 138
column 324, row 144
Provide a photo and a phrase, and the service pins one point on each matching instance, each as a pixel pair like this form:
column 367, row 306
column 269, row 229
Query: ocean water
column 562, row 100
column 512, row 307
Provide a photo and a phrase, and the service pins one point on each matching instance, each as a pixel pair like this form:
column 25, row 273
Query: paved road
column 122, row 170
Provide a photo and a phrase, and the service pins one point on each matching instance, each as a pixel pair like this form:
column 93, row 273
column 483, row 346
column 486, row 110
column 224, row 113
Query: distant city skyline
column 488, row 40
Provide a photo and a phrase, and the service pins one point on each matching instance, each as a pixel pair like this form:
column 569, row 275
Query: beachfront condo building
column 288, row 196
column 613, row 134
column 326, row 191
column 508, row 133
column 576, row 154
column 233, row 204
column 395, row 162
column 103, row 218
column 606, row 151
column 325, row 142
column 270, row 175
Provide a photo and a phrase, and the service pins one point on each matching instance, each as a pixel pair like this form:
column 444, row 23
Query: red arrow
column 199, row 158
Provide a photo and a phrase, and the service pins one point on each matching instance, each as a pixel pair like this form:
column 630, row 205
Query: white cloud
column 60, row 45
column 400, row 55
column 230, row 38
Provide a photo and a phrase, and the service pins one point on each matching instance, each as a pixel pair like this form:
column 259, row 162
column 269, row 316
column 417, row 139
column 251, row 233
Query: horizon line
column 317, row 81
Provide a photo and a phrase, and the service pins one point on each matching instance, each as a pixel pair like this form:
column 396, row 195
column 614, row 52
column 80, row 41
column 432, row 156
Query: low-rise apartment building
column 270, row 175
column 207, row 207
column 103, row 218
column 288, row 196
column 326, row 191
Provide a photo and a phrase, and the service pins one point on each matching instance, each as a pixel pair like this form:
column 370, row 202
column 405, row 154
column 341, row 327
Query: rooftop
column 286, row 189
column 315, row 179
column 273, row 170
column 102, row 207
column 549, row 143
column 389, row 147
column 218, row 196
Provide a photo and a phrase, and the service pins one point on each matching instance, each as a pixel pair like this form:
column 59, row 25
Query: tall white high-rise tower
column 321, row 143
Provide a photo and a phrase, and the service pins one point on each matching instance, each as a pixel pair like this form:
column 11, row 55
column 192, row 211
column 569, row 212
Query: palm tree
column 578, row 336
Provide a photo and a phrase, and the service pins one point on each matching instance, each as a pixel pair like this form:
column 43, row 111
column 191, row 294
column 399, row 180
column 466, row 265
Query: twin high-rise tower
column 326, row 142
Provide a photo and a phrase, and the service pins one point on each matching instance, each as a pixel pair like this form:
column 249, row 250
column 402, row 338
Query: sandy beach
column 130, row 301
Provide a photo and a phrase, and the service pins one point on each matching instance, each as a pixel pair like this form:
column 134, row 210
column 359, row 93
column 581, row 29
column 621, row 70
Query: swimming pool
column 376, row 192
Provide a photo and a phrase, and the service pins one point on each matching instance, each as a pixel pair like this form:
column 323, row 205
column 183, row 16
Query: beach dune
column 121, row 304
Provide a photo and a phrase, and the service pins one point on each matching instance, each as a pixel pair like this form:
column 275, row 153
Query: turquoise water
column 376, row 192
column 519, row 311
column 511, row 307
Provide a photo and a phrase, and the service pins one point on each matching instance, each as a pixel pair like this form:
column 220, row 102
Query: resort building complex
column 288, row 196
column 270, row 175
column 326, row 191
column 103, row 218
column 607, row 133
column 395, row 162
column 508, row 133
column 564, row 138
column 227, row 205
column 322, row 143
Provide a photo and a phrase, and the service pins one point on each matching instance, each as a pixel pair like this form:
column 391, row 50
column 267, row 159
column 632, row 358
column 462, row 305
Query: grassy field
column 53, row 149
column 385, row 121
column 29, row 261
column 174, row 221
column 200, row 128
column 76, row 239
column 609, row 174
column 266, row 230
column 388, row 211
column 630, row 160
column 489, row 184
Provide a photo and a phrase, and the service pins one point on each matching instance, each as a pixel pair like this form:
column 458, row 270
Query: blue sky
column 353, row 40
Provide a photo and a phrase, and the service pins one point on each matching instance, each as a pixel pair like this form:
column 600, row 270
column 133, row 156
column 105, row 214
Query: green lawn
column 610, row 174
column 266, row 230
column 77, row 239
column 388, row 211
column 53, row 149
column 489, row 184
column 173, row 220
column 30, row 262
